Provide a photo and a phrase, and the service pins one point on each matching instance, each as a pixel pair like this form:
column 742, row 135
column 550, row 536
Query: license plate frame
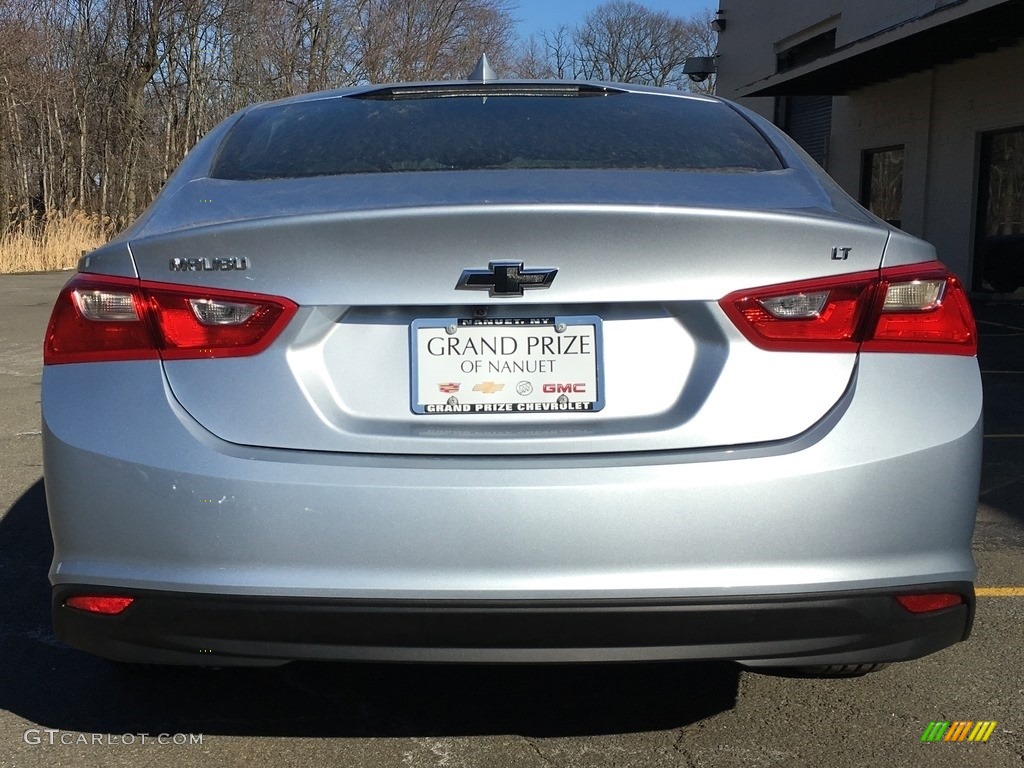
column 508, row 367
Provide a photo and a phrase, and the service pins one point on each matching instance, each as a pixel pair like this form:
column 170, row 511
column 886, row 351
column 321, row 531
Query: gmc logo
column 556, row 388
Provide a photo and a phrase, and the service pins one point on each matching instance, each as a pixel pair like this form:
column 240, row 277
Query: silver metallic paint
column 738, row 472
column 864, row 499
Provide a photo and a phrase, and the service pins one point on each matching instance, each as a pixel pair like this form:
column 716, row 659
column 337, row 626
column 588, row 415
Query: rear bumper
column 777, row 553
column 829, row 628
column 881, row 494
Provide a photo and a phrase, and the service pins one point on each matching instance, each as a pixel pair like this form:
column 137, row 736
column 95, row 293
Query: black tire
column 819, row 670
column 839, row 670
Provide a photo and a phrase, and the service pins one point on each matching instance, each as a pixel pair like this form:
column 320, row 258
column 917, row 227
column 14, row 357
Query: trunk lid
column 674, row 371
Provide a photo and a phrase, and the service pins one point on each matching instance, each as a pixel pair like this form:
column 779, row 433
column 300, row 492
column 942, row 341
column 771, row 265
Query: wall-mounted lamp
column 718, row 23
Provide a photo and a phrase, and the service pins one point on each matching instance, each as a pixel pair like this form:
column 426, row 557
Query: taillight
column 820, row 315
column 915, row 308
column 108, row 605
column 922, row 308
column 117, row 318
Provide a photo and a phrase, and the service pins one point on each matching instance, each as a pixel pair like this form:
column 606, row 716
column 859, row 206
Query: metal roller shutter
column 808, row 119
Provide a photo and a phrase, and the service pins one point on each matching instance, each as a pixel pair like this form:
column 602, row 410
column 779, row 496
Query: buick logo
column 505, row 278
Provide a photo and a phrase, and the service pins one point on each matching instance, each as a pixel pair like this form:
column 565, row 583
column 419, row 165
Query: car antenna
column 482, row 72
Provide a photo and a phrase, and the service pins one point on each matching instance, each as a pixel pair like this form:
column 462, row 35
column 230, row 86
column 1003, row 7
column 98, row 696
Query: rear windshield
column 425, row 131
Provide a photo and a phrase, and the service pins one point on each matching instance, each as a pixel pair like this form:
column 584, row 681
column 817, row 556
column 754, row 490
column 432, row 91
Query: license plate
column 506, row 365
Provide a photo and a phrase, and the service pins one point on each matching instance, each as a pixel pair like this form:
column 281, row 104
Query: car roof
column 427, row 86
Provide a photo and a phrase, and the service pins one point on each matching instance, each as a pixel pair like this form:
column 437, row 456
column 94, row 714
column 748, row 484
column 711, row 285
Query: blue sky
column 538, row 15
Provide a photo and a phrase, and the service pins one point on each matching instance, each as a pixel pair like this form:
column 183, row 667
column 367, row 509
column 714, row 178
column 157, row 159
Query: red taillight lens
column 108, row 605
column 916, row 308
column 922, row 310
column 929, row 602
column 116, row 318
column 98, row 319
column 192, row 323
column 819, row 315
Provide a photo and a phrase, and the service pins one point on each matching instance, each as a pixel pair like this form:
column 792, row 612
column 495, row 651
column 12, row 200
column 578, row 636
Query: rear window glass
column 430, row 132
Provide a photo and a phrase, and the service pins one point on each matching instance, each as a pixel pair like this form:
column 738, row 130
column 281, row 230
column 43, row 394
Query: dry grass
column 55, row 242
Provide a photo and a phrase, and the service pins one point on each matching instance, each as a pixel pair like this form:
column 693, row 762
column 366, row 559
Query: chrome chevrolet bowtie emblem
column 505, row 278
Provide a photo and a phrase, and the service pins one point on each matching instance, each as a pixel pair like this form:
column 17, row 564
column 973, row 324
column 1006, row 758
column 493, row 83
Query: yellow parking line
column 999, row 591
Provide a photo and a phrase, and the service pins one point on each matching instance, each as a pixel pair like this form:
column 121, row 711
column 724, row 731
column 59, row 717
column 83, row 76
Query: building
column 916, row 107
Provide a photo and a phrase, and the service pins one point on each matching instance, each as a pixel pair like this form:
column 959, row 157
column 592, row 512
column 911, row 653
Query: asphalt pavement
column 59, row 706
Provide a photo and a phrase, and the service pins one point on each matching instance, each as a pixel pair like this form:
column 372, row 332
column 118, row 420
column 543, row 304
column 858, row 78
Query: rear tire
column 823, row 671
column 839, row 670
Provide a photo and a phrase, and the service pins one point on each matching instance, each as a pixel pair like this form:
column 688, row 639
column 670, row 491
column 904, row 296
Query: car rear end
column 496, row 398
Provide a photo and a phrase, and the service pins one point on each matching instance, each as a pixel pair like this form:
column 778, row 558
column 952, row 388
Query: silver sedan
column 495, row 371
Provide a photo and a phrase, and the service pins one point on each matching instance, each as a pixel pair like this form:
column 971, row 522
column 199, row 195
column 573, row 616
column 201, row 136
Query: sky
column 538, row 15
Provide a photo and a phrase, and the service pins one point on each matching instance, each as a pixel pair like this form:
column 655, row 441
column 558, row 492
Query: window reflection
column 1000, row 250
column 883, row 184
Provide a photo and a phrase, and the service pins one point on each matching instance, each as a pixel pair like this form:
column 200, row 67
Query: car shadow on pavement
column 54, row 686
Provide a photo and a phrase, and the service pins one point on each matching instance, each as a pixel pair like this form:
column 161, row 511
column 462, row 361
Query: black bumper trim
column 224, row 630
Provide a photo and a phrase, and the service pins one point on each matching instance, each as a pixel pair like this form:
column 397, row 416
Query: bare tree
column 622, row 41
column 628, row 42
column 22, row 89
column 100, row 99
column 530, row 60
column 403, row 40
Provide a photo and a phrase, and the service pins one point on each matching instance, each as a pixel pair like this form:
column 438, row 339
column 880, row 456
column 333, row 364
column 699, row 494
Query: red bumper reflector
column 930, row 602
column 105, row 604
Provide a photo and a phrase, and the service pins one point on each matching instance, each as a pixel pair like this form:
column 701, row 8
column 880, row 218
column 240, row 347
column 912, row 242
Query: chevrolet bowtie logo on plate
column 505, row 278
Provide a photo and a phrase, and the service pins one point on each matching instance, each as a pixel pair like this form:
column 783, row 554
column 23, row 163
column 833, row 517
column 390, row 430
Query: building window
column 882, row 184
column 999, row 245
